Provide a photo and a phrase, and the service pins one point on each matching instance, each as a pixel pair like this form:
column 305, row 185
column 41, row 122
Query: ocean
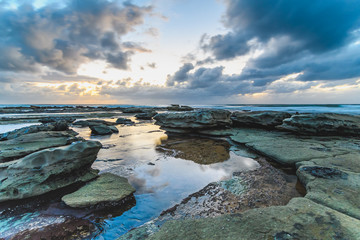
column 292, row 108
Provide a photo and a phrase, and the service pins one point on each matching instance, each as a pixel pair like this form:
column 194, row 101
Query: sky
column 180, row 51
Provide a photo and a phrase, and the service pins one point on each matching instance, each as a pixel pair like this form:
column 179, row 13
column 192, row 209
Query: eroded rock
column 48, row 170
column 29, row 143
column 267, row 119
column 54, row 126
column 323, row 124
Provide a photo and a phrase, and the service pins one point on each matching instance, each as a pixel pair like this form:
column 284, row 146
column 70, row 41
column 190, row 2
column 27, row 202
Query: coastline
column 319, row 160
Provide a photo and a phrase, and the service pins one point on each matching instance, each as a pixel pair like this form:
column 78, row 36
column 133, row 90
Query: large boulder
column 322, row 124
column 32, row 142
column 108, row 189
column 193, row 121
column 54, row 126
column 48, row 170
column 258, row 119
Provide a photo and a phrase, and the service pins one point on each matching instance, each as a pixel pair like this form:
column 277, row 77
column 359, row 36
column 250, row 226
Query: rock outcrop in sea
column 191, row 122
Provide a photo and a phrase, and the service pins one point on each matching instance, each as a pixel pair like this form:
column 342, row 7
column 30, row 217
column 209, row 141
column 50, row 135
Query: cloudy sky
column 179, row 51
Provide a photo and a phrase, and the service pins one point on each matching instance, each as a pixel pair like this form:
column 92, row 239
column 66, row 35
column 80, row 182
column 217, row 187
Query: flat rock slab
column 289, row 149
column 300, row 219
column 29, row 143
column 107, row 188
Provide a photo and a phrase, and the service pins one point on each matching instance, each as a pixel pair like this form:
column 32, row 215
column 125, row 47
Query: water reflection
column 157, row 168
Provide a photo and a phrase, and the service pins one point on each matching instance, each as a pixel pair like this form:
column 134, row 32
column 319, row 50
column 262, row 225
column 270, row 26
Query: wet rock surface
column 323, row 124
column 107, row 189
column 258, row 119
column 47, row 170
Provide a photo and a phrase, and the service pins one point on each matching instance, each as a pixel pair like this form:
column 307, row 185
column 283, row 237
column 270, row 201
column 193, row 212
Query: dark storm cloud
column 316, row 25
column 63, row 37
column 311, row 36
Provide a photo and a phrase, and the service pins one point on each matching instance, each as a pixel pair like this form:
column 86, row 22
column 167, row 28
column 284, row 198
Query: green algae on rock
column 106, row 189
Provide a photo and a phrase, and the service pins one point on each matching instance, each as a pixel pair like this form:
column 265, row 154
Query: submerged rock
column 323, row 124
column 48, row 170
column 107, row 189
column 29, row 143
column 193, row 121
column 103, row 129
column 147, row 115
column 258, row 119
column 54, row 126
column 199, row 150
column 71, row 228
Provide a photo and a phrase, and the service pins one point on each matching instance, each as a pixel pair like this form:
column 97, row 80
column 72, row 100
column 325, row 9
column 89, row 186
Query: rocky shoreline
column 265, row 203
